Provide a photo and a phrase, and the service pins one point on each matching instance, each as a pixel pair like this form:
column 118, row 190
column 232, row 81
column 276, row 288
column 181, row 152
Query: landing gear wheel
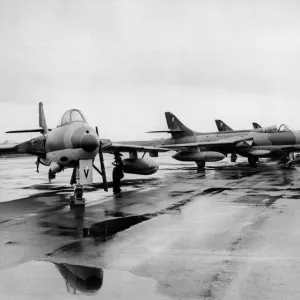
column 288, row 165
column 51, row 175
column 233, row 157
column 288, row 162
column 200, row 164
column 253, row 160
column 77, row 199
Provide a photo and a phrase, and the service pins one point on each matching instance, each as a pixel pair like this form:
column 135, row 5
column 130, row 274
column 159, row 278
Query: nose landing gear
column 51, row 175
column 76, row 199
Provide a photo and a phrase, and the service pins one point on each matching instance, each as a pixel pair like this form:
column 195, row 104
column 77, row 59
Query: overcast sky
column 124, row 63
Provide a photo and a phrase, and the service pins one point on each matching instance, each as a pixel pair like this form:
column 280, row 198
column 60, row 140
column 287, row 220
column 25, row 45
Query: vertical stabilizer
column 256, row 126
column 222, row 126
column 175, row 125
column 42, row 119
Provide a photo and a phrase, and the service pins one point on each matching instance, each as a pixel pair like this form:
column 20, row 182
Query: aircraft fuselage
column 273, row 142
column 64, row 145
column 70, row 143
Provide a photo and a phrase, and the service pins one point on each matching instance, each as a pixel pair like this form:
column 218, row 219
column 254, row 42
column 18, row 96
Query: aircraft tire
column 253, row 160
column 233, row 157
column 51, row 175
column 200, row 164
column 78, row 192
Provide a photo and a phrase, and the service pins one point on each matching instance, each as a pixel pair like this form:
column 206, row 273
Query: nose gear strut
column 37, row 164
column 51, row 175
column 76, row 199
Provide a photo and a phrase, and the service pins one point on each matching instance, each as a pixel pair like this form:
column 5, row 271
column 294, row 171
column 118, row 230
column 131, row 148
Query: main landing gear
column 38, row 160
column 288, row 161
column 200, row 165
column 233, row 157
column 253, row 161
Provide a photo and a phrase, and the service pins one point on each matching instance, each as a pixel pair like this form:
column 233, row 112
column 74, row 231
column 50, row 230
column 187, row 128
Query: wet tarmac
column 228, row 232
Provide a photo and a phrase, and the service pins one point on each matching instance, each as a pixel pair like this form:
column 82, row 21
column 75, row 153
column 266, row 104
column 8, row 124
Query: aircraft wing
column 291, row 148
column 8, row 149
column 129, row 148
column 231, row 141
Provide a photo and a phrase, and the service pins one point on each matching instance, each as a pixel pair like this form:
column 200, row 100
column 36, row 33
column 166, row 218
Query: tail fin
column 222, row 126
column 177, row 129
column 42, row 119
column 42, row 123
column 256, row 126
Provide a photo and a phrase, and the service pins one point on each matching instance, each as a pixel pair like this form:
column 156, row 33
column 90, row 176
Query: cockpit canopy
column 285, row 128
column 270, row 129
column 72, row 115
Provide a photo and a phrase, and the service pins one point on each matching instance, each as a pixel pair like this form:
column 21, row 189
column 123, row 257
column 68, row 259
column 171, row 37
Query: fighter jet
column 215, row 146
column 75, row 144
column 223, row 127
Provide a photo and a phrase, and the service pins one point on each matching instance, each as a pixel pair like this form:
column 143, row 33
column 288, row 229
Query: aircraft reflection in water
column 215, row 146
column 81, row 279
column 75, row 144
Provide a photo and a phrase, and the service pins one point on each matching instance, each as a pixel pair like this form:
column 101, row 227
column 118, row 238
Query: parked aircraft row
column 202, row 147
column 75, row 144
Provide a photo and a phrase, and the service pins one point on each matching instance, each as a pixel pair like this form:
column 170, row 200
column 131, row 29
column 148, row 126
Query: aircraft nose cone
column 89, row 143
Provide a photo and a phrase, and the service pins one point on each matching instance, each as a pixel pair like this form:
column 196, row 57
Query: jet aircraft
column 75, row 144
column 215, row 146
column 222, row 127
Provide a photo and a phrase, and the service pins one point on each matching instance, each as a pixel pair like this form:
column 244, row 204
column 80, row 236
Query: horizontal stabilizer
column 166, row 131
column 8, row 149
column 40, row 130
column 26, row 130
column 114, row 147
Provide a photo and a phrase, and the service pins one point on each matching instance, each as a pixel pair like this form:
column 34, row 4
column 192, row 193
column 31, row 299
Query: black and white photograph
column 149, row 149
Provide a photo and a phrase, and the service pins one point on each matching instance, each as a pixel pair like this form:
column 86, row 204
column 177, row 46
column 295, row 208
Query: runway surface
column 229, row 232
